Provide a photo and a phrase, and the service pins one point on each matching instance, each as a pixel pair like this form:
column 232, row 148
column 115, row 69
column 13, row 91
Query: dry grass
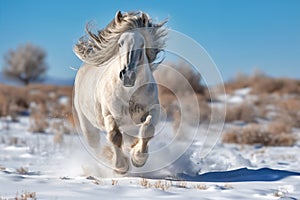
column 243, row 112
column 227, row 186
column 38, row 119
column 289, row 111
column 279, row 108
column 145, row 183
column 278, row 127
column 3, row 105
column 61, row 126
column 13, row 100
column 114, row 182
column 181, row 184
column 261, row 84
column 163, row 185
column 182, row 80
column 186, row 110
column 160, row 184
column 41, row 101
column 22, row 170
column 277, row 101
column 23, row 96
column 201, row 187
column 260, row 134
column 22, row 196
column 179, row 78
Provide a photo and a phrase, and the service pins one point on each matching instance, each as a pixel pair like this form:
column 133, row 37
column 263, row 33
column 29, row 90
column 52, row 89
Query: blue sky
column 239, row 35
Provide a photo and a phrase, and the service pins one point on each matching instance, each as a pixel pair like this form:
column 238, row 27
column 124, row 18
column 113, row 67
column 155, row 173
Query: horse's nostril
column 133, row 76
column 121, row 75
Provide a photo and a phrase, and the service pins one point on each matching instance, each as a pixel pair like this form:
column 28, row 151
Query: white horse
column 115, row 90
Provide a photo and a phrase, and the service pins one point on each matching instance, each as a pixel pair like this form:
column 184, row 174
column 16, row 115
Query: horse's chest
column 133, row 111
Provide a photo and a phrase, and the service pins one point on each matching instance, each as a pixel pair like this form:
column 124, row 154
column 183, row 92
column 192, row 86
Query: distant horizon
column 51, row 80
column 69, row 81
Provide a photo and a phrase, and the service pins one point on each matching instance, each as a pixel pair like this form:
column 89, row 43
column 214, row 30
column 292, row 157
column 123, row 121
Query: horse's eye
column 121, row 43
column 121, row 75
column 122, row 72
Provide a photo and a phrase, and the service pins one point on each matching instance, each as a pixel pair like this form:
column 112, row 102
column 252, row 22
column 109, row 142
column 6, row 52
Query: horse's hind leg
column 120, row 161
column 90, row 133
column 139, row 152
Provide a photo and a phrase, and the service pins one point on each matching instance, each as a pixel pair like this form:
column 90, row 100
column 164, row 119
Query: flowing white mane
column 97, row 49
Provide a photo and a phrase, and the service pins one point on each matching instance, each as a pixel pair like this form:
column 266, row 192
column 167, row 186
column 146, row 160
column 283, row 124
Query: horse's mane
column 98, row 48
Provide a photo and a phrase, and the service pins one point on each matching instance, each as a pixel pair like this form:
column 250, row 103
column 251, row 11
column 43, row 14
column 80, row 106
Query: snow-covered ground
column 35, row 165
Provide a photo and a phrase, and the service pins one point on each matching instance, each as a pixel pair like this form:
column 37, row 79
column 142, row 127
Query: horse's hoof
column 121, row 172
column 137, row 164
column 124, row 168
column 142, row 158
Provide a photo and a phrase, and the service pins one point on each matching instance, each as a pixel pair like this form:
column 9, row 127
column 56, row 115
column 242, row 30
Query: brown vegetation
column 263, row 84
column 42, row 102
column 273, row 100
column 244, row 112
column 180, row 83
column 22, row 196
column 260, row 134
column 276, row 101
column 163, row 185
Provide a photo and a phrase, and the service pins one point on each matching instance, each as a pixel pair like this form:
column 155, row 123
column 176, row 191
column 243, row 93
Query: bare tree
column 26, row 63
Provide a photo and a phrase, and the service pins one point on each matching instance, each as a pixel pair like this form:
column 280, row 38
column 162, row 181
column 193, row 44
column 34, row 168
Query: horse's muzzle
column 128, row 78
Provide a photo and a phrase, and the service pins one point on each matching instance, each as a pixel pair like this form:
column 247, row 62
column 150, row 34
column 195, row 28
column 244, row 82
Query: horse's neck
column 144, row 75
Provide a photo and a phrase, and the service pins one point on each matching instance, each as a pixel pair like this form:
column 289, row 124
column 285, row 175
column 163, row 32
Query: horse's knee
column 109, row 123
column 147, row 132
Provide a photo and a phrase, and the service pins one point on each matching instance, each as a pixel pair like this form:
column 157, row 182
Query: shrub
column 3, row 105
column 182, row 80
column 279, row 126
column 42, row 102
column 38, row 118
column 179, row 78
column 259, row 134
column 244, row 112
column 261, row 83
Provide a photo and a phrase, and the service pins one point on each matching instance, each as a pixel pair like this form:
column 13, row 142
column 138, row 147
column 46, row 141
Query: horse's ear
column 160, row 57
column 118, row 17
column 144, row 18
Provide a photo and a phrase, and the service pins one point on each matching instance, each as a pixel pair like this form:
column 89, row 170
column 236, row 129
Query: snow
column 67, row 171
column 237, row 97
column 243, row 91
column 64, row 100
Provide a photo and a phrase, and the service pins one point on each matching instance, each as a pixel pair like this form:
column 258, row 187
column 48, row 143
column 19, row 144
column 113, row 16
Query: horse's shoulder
column 85, row 68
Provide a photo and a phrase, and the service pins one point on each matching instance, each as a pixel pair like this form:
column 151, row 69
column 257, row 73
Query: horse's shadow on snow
column 239, row 175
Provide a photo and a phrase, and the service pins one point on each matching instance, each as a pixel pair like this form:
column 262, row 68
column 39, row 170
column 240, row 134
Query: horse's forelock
column 98, row 48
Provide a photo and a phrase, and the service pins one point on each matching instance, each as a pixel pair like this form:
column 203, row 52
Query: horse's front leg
column 120, row 161
column 139, row 152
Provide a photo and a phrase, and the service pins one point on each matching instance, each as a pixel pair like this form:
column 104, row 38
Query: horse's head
column 131, row 55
